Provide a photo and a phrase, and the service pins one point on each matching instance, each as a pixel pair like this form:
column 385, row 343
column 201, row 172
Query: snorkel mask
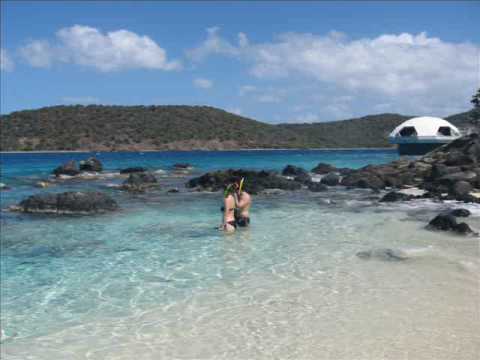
column 230, row 189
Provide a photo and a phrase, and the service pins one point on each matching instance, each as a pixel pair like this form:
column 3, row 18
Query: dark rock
column 363, row 179
column 76, row 203
column 303, row 178
column 451, row 179
column 383, row 254
column 91, row 164
column 317, row 187
column 457, row 158
column 182, row 166
column 131, row 170
column 291, row 170
column 172, row 191
column 70, row 168
column 4, row 187
column 394, row 196
column 460, row 213
column 461, row 188
column 331, row 179
column 448, row 222
column 139, row 182
column 323, row 168
column 463, row 228
column 255, row 181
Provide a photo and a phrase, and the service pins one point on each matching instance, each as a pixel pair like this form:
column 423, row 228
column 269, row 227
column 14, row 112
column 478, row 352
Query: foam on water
column 156, row 280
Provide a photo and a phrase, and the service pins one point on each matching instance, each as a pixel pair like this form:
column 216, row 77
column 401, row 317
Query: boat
column 420, row 135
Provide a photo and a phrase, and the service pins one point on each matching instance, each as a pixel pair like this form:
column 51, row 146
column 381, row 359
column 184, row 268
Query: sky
column 274, row 61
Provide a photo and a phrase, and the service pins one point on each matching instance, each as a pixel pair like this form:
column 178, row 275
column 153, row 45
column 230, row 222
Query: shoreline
column 203, row 150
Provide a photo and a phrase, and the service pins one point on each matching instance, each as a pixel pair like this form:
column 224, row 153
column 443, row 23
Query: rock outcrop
column 140, row 182
column 91, row 164
column 448, row 222
column 70, row 168
column 451, row 171
column 72, row 203
column 255, row 181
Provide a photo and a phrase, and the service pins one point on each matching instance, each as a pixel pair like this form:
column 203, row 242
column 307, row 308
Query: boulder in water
column 448, row 222
column 182, row 166
column 394, row 196
column 317, row 187
column 254, row 183
column 72, row 202
column 70, row 168
column 134, row 169
column 460, row 212
column 323, row 168
column 91, row 164
column 139, row 182
column 331, row 179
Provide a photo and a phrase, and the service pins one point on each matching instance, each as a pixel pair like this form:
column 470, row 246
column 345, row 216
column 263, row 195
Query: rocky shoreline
column 451, row 172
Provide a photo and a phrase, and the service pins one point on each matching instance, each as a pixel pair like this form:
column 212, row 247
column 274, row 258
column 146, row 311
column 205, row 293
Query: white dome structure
column 420, row 135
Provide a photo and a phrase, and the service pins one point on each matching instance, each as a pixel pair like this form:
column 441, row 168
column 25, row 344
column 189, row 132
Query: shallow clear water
column 156, row 280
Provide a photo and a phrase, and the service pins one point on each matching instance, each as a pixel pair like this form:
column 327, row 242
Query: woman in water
column 236, row 206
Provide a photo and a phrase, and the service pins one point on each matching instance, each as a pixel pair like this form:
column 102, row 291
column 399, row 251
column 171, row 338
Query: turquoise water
column 157, row 280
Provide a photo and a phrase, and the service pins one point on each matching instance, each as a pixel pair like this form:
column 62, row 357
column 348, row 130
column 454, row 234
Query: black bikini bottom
column 243, row 221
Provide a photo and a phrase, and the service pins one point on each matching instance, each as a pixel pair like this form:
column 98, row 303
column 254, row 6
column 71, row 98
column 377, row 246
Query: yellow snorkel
column 240, row 186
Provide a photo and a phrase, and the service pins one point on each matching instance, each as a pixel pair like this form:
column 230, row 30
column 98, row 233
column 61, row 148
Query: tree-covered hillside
column 131, row 128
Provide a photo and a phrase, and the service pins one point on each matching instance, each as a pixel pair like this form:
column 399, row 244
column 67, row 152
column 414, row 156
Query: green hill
column 131, row 128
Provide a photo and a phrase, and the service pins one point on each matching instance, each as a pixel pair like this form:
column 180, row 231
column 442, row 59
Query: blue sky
column 272, row 61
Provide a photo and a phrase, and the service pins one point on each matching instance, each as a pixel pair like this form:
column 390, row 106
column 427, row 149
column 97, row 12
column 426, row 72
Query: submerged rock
column 255, row 181
column 91, row 164
column 75, row 203
column 448, row 222
column 460, row 213
column 383, row 254
column 43, row 184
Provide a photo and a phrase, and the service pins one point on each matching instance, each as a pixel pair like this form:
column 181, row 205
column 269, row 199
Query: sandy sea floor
column 157, row 282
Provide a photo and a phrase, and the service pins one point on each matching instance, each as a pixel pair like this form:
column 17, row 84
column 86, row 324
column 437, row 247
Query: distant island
column 143, row 128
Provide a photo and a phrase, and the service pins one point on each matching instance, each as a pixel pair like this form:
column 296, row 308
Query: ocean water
column 156, row 280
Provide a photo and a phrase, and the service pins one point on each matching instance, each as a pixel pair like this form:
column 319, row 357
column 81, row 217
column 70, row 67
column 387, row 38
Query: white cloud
column 38, row 53
column 215, row 44
column 6, row 63
column 389, row 64
column 82, row 100
column 414, row 73
column 203, row 83
column 88, row 46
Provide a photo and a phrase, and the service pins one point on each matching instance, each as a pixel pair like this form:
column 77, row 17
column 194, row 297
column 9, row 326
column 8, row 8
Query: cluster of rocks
column 71, row 168
column 447, row 221
column 139, row 182
column 71, row 203
column 451, row 172
column 255, row 181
